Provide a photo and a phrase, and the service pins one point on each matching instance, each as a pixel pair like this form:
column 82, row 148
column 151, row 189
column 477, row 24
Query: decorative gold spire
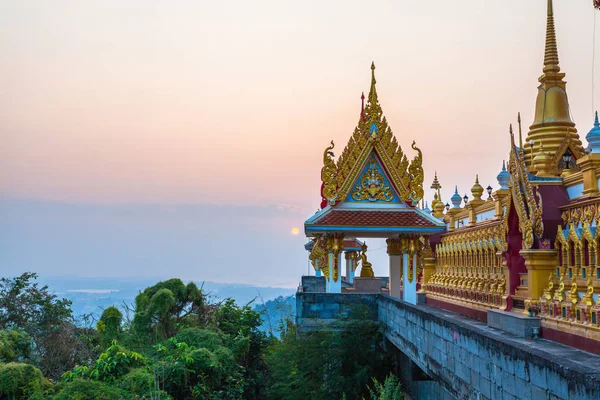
column 520, row 133
column 373, row 109
column 552, row 114
column 551, row 53
column 477, row 190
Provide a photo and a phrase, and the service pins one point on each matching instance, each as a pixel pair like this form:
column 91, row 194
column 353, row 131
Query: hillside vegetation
column 172, row 343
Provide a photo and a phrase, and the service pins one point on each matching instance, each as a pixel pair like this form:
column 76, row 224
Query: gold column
column 428, row 263
column 588, row 165
column 540, row 264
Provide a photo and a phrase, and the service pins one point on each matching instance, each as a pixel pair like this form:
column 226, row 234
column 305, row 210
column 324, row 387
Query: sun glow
column 295, row 231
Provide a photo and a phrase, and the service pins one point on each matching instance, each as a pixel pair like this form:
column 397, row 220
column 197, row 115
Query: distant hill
column 92, row 295
column 275, row 312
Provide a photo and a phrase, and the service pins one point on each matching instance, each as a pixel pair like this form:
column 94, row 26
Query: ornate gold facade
column 530, row 257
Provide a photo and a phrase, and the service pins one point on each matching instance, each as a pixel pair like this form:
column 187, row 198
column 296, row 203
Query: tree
column 48, row 321
column 15, row 345
column 21, row 381
column 162, row 308
column 327, row 364
column 109, row 325
column 391, row 389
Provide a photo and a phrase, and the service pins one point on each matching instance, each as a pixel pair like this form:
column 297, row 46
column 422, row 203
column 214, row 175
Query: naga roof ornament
column 372, row 134
column 522, row 197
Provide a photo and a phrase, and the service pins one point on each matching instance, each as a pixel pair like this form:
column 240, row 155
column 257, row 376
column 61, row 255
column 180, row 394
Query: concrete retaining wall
column 472, row 361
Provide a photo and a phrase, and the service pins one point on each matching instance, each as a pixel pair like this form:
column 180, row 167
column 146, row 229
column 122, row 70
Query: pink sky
column 234, row 101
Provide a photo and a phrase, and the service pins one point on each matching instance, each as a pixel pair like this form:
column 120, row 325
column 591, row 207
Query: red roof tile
column 373, row 218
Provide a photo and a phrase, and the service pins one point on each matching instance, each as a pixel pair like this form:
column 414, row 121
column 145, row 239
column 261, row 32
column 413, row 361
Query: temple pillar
column 394, row 250
column 428, row 264
column 540, row 264
column 499, row 196
column 409, row 267
column 329, row 277
column 350, row 265
column 428, row 270
column 588, row 165
column 333, row 282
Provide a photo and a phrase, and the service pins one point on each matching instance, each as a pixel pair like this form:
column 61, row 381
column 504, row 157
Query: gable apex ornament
column 373, row 134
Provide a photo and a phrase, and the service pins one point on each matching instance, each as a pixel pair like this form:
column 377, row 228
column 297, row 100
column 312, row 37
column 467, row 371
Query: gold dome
column 477, row 189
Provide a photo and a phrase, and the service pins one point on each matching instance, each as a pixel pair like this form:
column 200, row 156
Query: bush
column 80, row 389
column 15, row 345
column 389, row 390
column 140, row 382
column 20, row 381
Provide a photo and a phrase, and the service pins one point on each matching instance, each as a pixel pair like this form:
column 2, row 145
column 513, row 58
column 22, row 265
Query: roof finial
column 373, row 90
column 551, row 54
column 362, row 105
column 512, row 137
column 596, row 123
column 520, row 133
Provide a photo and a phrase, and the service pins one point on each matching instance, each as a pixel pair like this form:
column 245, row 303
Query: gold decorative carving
column 373, row 134
column 588, row 297
column 329, row 175
column 372, row 186
column 573, row 294
column 560, row 291
column 416, row 175
column 394, row 246
column 526, row 204
column 318, row 254
column 548, row 291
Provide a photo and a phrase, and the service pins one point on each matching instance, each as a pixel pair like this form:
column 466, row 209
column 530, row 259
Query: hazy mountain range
column 92, row 295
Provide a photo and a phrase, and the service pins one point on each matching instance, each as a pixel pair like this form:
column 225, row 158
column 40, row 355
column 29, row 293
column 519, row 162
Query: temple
column 528, row 247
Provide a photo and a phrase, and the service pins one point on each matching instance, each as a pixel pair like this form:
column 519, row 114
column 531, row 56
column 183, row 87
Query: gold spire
column 552, row 114
column 551, row 54
column 373, row 109
column 477, row 190
column 520, row 133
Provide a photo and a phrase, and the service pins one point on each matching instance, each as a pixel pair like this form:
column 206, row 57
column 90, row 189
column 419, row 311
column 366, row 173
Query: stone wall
column 315, row 311
column 313, row 284
column 472, row 361
column 442, row 355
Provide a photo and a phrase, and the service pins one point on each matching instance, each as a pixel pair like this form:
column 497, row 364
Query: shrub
column 20, row 381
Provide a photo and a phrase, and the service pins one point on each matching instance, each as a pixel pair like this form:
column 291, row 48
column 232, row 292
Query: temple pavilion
column 530, row 248
column 372, row 191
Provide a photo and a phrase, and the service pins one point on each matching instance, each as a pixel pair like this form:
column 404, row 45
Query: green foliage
column 178, row 346
column 142, row 383
column 82, row 389
column 201, row 337
column 20, row 381
column 115, row 362
column 389, row 390
column 48, row 321
column 162, row 308
column 15, row 345
column 327, row 364
column 109, row 325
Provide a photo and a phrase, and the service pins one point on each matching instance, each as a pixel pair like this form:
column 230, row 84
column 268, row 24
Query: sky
column 185, row 138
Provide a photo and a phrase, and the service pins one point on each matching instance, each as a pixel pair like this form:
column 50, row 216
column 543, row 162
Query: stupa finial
column 551, row 53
